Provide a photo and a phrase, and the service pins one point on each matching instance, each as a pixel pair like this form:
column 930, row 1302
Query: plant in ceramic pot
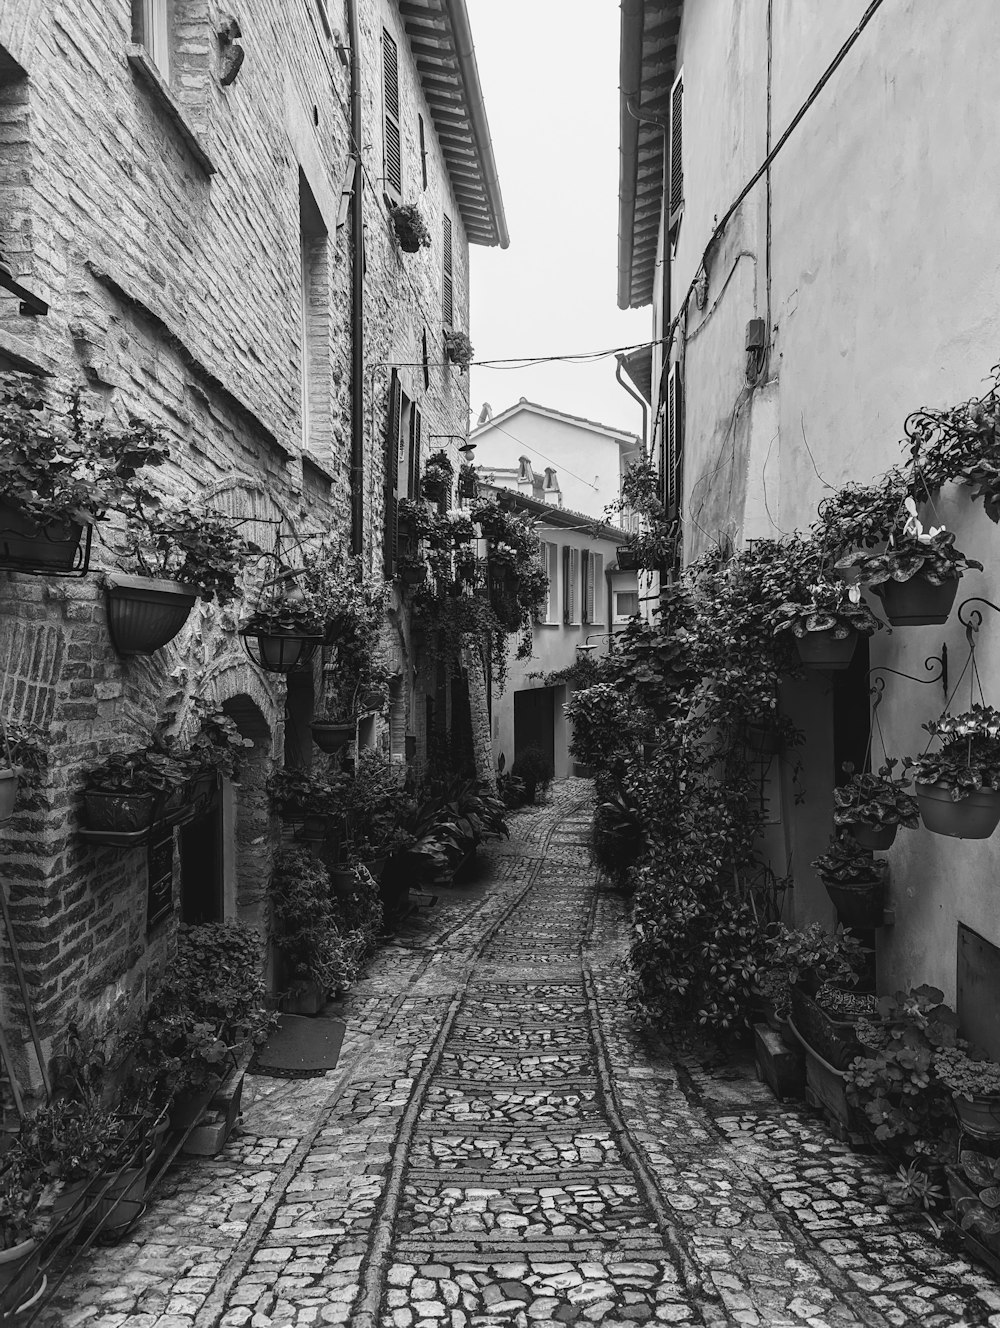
column 974, row 1082
column 21, row 1230
column 410, row 227
column 23, row 762
column 854, row 880
column 315, row 958
column 810, row 957
column 458, row 349
column 826, row 622
column 76, row 1142
column 917, row 574
column 958, row 785
column 171, row 554
column 61, row 471
column 872, row 807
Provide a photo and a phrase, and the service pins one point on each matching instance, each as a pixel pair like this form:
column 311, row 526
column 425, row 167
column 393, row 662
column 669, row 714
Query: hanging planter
column 277, row 651
column 957, row 786
column 825, row 650
column 872, row 806
column 761, row 736
column 413, row 572
column 145, row 614
column 628, row 559
column 826, row 621
column 854, row 880
column 331, row 737
column 860, row 905
column 975, row 816
column 410, row 227
column 872, row 837
column 54, row 548
column 917, row 602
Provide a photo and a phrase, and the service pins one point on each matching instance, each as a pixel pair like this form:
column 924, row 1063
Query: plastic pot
column 628, row 560
column 861, row 905
column 917, row 602
column 9, row 785
column 414, row 576
column 975, row 816
column 823, row 650
column 306, row 998
column 18, row 1274
column 118, row 811
column 870, row 836
column 979, row 1117
column 332, row 737
column 280, row 652
column 144, row 614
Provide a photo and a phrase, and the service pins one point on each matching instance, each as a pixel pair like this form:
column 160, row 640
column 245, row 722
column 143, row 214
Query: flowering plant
column 969, row 756
column 458, row 348
column 967, row 1076
column 827, row 605
column 912, row 552
column 411, row 229
column 875, row 800
column 846, row 863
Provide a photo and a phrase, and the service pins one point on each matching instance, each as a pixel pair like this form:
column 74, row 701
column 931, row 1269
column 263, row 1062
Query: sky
column 549, row 72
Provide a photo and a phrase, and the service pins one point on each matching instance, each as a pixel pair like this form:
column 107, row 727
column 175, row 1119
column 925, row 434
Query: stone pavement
column 500, row 1147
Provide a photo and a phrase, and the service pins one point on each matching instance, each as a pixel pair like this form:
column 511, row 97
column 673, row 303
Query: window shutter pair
column 391, row 137
column 571, row 574
column 673, row 444
column 391, row 540
column 447, row 289
column 413, row 461
column 675, row 171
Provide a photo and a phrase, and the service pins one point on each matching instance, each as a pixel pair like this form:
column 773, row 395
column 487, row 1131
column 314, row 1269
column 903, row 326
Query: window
column 315, row 331
column 593, row 575
column 151, row 24
column 548, row 556
column 447, row 294
column 675, row 183
column 391, row 137
column 571, row 585
column 626, row 604
column 403, row 437
column 423, row 150
column 673, row 444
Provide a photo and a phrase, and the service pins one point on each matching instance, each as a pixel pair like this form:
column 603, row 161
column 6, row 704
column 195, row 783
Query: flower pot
column 628, row 560
column 413, row 576
column 332, row 737
column 280, row 652
column 869, row 836
column 975, row 816
column 190, row 1105
column 343, row 881
column 70, row 1202
column 834, row 1040
column 916, row 602
column 826, row 1088
column 376, row 866
column 823, row 650
column 144, row 614
column 860, row 905
column 306, row 998
column 979, row 1117
column 18, row 1274
column 9, row 784
column 118, row 811
column 123, row 1201
column 25, row 545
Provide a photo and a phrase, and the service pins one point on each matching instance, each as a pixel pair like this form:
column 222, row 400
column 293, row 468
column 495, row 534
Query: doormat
column 301, row 1047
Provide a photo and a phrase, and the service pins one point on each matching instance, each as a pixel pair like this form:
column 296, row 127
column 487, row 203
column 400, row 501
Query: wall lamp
column 466, row 447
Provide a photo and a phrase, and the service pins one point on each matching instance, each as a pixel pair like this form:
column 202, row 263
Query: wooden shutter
column 567, row 585
column 413, row 461
column 423, row 150
column 675, row 186
column 596, row 588
column 392, row 473
column 447, row 292
column 391, row 138
column 587, row 586
column 673, row 435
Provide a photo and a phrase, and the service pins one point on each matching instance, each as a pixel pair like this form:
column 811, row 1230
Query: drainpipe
column 357, row 294
column 641, row 400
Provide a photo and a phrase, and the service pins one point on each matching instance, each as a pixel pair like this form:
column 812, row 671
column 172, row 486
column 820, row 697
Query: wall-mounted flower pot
column 118, row 811
column 823, row 650
column 980, row 1116
column 917, row 602
column 280, row 652
column 835, row 1040
column 331, row 738
column 860, row 905
column 144, row 614
column 10, row 780
column 975, row 816
column 55, row 549
column 875, row 837
column 413, row 576
column 628, row 560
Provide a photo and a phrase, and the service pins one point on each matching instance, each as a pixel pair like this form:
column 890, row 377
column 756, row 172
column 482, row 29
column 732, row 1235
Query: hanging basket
column 57, row 548
column 9, row 785
column 860, row 905
column 413, row 576
column 975, row 816
column 628, row 560
column 823, row 650
column 869, row 836
column 144, row 614
column 917, row 602
column 280, row 652
column 331, row 738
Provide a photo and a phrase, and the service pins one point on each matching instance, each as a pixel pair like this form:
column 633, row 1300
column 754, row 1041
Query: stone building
column 203, row 205
column 788, row 208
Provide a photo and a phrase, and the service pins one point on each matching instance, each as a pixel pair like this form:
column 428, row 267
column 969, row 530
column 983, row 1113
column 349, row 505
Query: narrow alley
column 497, row 1146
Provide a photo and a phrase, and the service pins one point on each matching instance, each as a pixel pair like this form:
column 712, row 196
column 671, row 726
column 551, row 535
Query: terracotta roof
column 441, row 41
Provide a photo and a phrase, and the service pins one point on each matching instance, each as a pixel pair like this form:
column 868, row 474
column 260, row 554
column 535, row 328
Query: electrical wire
column 492, row 424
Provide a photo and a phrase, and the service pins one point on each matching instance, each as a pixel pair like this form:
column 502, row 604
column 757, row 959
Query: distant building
column 560, row 459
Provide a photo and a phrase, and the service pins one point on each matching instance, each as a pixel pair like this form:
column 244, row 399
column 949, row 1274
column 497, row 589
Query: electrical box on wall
column 755, row 334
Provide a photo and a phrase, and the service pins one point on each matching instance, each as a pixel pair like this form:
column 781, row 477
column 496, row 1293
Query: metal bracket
column 931, row 663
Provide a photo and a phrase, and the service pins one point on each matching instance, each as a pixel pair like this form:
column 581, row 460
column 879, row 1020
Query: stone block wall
column 162, row 221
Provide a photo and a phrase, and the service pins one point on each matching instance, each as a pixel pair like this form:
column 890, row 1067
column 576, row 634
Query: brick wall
column 164, row 228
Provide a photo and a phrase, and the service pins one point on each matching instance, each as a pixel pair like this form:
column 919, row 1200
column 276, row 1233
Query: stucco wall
column 885, row 296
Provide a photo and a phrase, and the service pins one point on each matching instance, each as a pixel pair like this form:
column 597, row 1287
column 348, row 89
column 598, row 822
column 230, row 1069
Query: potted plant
column 628, row 558
column 412, row 570
column 974, row 1188
column 974, row 1082
column 826, row 623
column 534, row 769
column 128, row 791
column 59, row 473
column 311, row 802
column 411, row 229
column 872, row 807
column 79, row 1143
column 284, row 631
column 958, row 786
column 436, row 479
column 171, row 555
column 377, row 806
column 23, row 758
column 458, row 348
column 468, row 481
column 314, row 955
column 917, row 574
column 21, row 1230
column 854, row 880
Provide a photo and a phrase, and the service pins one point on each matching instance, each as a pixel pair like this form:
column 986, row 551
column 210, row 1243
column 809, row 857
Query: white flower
column 854, row 594
column 914, row 527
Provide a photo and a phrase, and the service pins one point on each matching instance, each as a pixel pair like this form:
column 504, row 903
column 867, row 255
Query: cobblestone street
column 499, row 1147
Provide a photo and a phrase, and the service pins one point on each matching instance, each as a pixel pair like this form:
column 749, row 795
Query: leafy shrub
column 534, row 769
column 309, row 930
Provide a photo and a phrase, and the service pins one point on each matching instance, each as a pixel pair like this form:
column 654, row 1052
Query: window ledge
column 142, row 65
column 22, row 355
column 318, row 469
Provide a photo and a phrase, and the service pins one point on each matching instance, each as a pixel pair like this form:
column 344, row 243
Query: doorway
column 535, row 721
column 202, row 878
